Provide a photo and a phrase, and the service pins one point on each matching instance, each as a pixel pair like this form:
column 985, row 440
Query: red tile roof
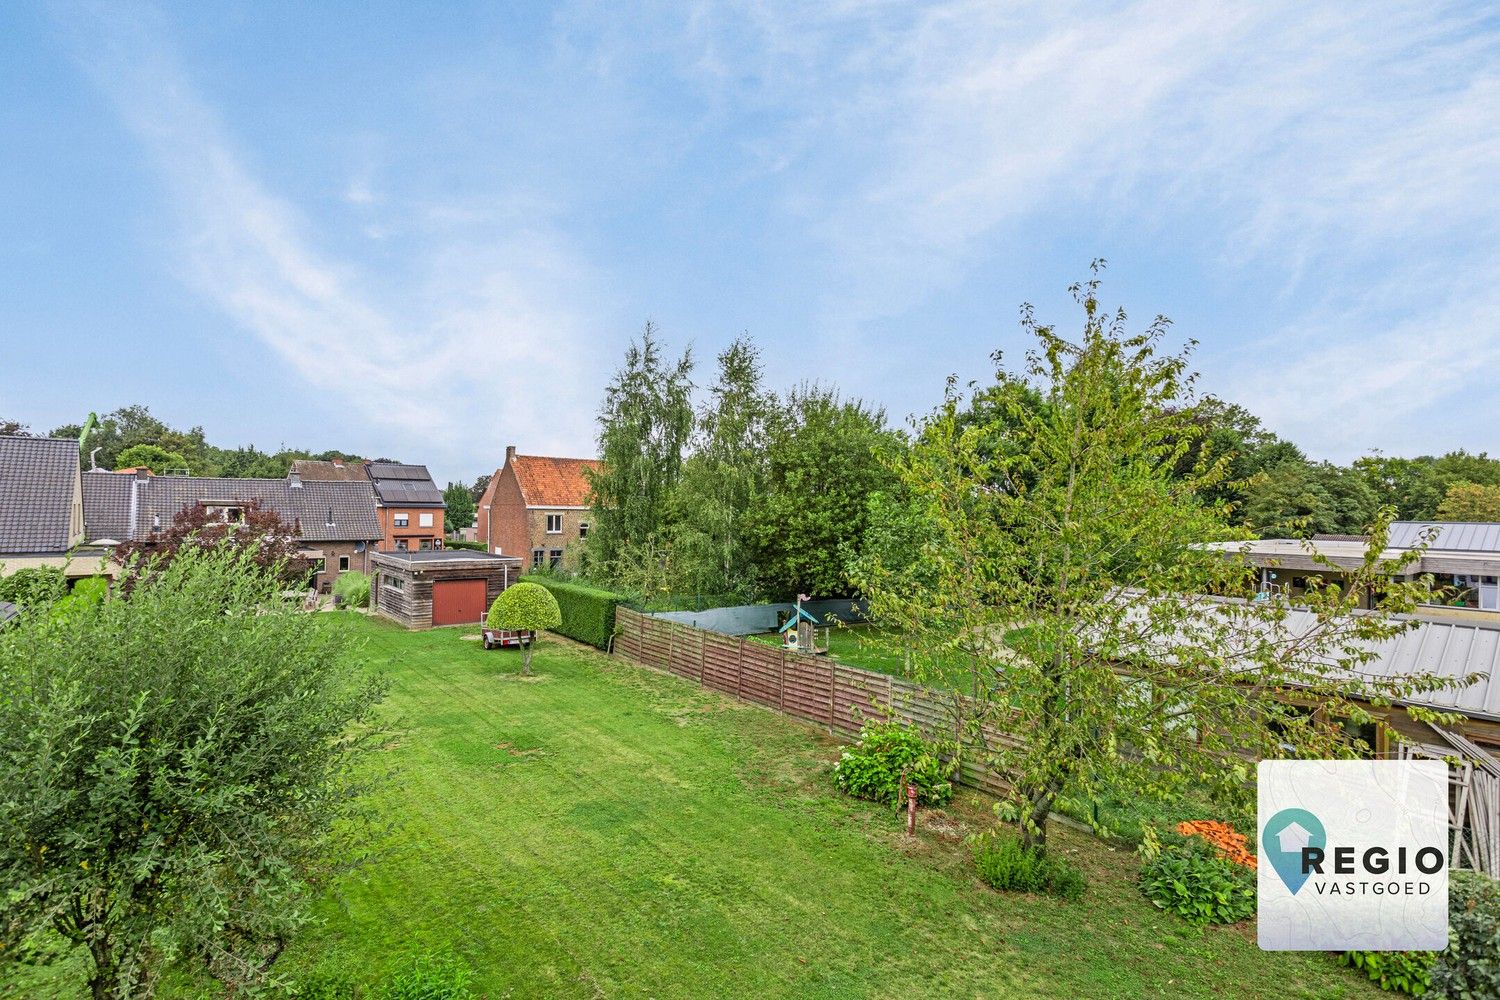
column 553, row 482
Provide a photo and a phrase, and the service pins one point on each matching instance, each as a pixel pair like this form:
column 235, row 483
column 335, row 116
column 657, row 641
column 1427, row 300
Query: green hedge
column 588, row 614
column 459, row 543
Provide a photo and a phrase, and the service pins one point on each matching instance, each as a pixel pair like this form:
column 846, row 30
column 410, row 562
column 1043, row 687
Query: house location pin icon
column 1282, row 840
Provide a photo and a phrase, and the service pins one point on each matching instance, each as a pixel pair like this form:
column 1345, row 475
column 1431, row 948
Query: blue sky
column 428, row 231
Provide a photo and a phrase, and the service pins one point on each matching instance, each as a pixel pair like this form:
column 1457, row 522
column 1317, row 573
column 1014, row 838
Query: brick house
column 408, row 502
column 536, row 508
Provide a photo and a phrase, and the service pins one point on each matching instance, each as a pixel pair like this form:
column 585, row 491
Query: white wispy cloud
column 1346, row 155
column 441, row 364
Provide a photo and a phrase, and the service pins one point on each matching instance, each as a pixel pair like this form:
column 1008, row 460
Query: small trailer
column 502, row 638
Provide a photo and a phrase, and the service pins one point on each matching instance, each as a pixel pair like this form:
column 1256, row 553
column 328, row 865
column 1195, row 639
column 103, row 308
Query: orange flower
column 1230, row 843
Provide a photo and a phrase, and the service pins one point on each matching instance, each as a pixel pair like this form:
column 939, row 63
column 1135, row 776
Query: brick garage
column 424, row 589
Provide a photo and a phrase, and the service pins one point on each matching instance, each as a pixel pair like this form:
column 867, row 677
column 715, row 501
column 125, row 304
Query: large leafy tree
column 1066, row 569
column 825, row 458
column 151, row 456
column 722, row 478
column 1299, row 498
column 186, row 790
column 459, row 504
column 644, row 426
column 1470, row 502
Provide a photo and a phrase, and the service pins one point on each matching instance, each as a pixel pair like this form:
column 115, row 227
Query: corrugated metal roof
column 1448, row 536
column 37, row 476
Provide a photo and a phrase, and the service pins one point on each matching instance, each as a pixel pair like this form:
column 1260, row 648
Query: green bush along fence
column 588, row 613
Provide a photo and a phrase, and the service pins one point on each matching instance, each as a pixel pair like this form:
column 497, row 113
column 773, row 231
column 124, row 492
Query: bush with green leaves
column 442, row 976
column 36, row 585
column 1469, row 968
column 1199, row 886
column 1408, row 972
column 524, row 607
column 352, row 589
column 181, row 773
column 325, row 984
column 888, row 751
column 460, row 543
column 1004, row 863
column 588, row 613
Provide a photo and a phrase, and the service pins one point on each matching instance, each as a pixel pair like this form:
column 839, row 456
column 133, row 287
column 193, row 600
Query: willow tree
column 645, row 423
column 1063, row 562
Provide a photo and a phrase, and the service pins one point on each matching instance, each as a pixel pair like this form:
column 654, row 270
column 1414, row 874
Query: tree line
column 756, row 494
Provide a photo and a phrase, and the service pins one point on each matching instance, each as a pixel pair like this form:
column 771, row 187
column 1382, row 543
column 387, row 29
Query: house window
column 424, row 520
column 554, row 524
column 401, row 520
column 583, row 529
column 426, row 544
column 554, row 557
column 343, row 564
column 537, row 556
column 395, row 582
column 400, row 545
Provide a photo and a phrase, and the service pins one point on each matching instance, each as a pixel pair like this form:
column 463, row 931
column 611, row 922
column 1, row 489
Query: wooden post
column 702, row 648
column 739, row 675
column 781, row 682
column 833, row 684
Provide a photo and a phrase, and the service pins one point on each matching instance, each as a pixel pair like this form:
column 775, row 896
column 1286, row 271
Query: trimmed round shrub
column 872, row 768
column 1200, row 887
column 1004, row 863
column 352, row 589
column 1469, row 968
column 524, row 607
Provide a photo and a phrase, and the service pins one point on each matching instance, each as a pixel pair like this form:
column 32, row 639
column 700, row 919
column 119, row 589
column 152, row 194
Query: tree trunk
column 1034, row 819
column 526, row 658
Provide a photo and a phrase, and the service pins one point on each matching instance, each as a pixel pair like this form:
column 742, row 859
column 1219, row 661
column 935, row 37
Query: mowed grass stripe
column 610, row 830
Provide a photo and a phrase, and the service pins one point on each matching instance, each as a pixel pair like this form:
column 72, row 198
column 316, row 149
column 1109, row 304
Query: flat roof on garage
column 445, row 557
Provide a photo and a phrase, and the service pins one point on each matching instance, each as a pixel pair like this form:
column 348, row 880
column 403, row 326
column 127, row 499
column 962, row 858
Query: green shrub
column 428, row 977
column 352, row 589
column 1406, row 972
column 1199, row 886
column 1469, row 968
column 37, row 585
column 588, row 613
column 872, row 768
column 459, row 543
column 326, row 984
column 1005, row 863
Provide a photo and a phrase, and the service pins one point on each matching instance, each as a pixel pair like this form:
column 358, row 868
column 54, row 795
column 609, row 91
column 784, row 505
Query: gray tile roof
column 404, row 485
column 36, row 493
column 349, row 506
column 106, row 505
column 1451, row 536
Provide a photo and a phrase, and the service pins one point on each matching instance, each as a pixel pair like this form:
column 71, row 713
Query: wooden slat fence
column 813, row 688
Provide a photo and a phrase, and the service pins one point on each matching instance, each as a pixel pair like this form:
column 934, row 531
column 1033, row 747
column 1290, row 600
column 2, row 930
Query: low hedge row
column 588, row 614
column 459, row 543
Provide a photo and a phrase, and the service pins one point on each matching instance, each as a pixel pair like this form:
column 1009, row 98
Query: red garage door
column 457, row 602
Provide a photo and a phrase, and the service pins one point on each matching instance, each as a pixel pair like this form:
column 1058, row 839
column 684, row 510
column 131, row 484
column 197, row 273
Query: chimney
column 510, row 453
column 142, row 473
column 295, row 479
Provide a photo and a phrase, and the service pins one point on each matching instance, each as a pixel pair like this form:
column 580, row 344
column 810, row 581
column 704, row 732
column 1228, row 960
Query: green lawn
column 605, row 830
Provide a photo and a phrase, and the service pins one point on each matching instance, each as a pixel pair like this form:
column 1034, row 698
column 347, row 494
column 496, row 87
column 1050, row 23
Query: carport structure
column 439, row 587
